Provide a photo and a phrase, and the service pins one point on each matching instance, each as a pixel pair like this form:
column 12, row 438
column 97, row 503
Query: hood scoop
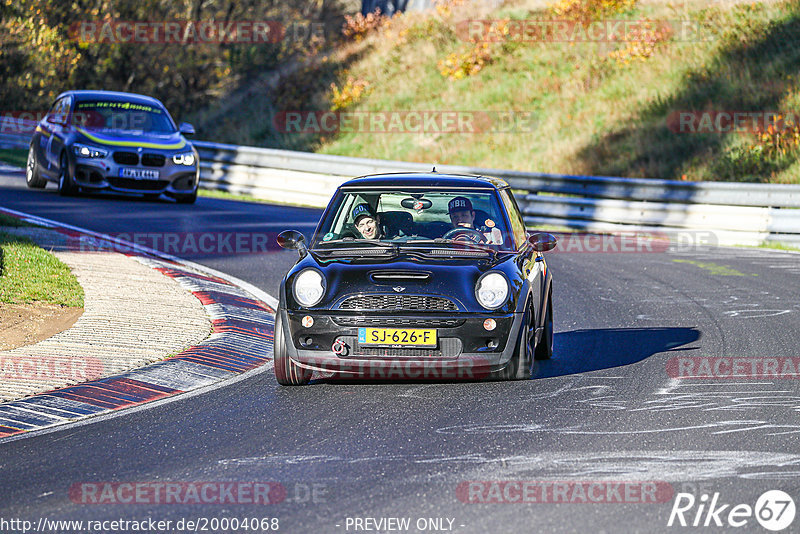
column 392, row 277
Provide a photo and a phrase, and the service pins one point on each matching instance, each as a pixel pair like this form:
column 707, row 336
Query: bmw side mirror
column 186, row 129
column 542, row 241
column 292, row 239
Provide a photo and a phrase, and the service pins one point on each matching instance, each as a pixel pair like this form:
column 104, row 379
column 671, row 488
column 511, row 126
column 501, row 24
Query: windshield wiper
column 357, row 241
column 348, row 246
column 443, row 241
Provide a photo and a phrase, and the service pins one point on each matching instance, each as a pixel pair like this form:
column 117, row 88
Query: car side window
column 517, row 223
column 60, row 111
column 53, row 114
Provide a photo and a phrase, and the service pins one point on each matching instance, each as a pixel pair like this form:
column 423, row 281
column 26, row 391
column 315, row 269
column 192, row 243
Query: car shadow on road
column 581, row 351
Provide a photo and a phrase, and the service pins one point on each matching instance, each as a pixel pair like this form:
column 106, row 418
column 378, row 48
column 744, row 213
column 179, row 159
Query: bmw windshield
column 415, row 218
column 129, row 117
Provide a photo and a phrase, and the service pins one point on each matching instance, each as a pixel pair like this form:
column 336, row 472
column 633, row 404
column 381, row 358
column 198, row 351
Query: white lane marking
column 666, row 465
column 755, row 314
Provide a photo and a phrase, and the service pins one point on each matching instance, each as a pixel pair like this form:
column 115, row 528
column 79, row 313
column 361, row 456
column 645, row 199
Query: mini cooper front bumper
column 328, row 342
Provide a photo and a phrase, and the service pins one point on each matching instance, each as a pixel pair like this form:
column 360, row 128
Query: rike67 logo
column 774, row 510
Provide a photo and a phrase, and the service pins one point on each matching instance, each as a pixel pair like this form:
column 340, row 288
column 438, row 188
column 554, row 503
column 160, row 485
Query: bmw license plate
column 139, row 174
column 397, row 337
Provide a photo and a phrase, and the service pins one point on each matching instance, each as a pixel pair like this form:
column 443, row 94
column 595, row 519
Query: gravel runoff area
column 133, row 315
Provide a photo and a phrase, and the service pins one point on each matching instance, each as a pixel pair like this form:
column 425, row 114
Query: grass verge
column 13, row 222
column 14, row 156
column 31, row 274
column 575, row 106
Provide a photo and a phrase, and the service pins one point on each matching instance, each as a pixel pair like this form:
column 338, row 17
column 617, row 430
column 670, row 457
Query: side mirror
column 186, row 129
column 292, row 239
column 542, row 241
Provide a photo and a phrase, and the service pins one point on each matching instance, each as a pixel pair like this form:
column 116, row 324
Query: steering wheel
column 467, row 234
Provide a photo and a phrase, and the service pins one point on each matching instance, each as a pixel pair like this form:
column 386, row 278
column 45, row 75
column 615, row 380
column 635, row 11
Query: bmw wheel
column 66, row 186
column 32, row 177
column 287, row 372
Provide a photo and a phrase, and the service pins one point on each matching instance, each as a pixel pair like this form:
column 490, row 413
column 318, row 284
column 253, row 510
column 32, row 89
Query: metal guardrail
column 737, row 213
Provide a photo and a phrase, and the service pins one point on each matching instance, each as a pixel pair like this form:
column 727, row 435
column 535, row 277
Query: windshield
column 434, row 218
column 122, row 116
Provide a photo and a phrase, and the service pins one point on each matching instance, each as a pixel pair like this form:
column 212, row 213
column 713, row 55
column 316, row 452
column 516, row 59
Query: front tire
column 544, row 349
column 32, row 176
column 66, row 186
column 519, row 366
column 287, row 372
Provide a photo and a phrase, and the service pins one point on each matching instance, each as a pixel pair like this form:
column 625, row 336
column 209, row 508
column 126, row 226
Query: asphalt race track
column 607, row 412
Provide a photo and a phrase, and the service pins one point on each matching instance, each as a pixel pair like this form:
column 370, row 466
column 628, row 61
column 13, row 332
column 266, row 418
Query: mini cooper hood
column 454, row 278
column 129, row 140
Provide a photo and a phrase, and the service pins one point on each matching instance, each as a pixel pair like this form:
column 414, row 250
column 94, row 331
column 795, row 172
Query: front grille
column 449, row 347
column 398, row 322
column 153, row 160
column 397, row 302
column 138, row 185
column 126, row 158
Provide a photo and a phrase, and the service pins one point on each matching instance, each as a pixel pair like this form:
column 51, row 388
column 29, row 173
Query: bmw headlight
column 183, row 159
column 492, row 290
column 86, row 151
column 309, row 287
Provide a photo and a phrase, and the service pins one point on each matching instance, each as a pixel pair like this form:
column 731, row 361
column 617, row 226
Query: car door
column 57, row 122
column 531, row 263
column 44, row 136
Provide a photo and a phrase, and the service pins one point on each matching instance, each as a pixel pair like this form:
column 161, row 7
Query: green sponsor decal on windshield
column 118, row 105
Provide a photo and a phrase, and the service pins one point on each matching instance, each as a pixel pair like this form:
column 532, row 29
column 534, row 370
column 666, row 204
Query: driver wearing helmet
column 463, row 216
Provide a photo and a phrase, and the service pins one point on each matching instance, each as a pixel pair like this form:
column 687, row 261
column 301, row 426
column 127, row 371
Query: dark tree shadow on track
column 578, row 351
column 581, row 351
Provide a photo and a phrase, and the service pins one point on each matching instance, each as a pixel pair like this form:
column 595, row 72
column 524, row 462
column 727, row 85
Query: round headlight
column 309, row 288
column 492, row 290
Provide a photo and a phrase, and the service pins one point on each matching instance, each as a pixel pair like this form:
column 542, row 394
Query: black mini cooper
column 415, row 277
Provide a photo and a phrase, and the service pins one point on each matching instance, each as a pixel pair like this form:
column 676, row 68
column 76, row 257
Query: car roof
column 112, row 96
column 425, row 179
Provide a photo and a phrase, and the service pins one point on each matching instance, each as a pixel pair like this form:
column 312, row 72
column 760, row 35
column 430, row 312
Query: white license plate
column 139, row 174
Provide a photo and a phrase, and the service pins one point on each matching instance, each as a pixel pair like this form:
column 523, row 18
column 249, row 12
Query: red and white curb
column 243, row 319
